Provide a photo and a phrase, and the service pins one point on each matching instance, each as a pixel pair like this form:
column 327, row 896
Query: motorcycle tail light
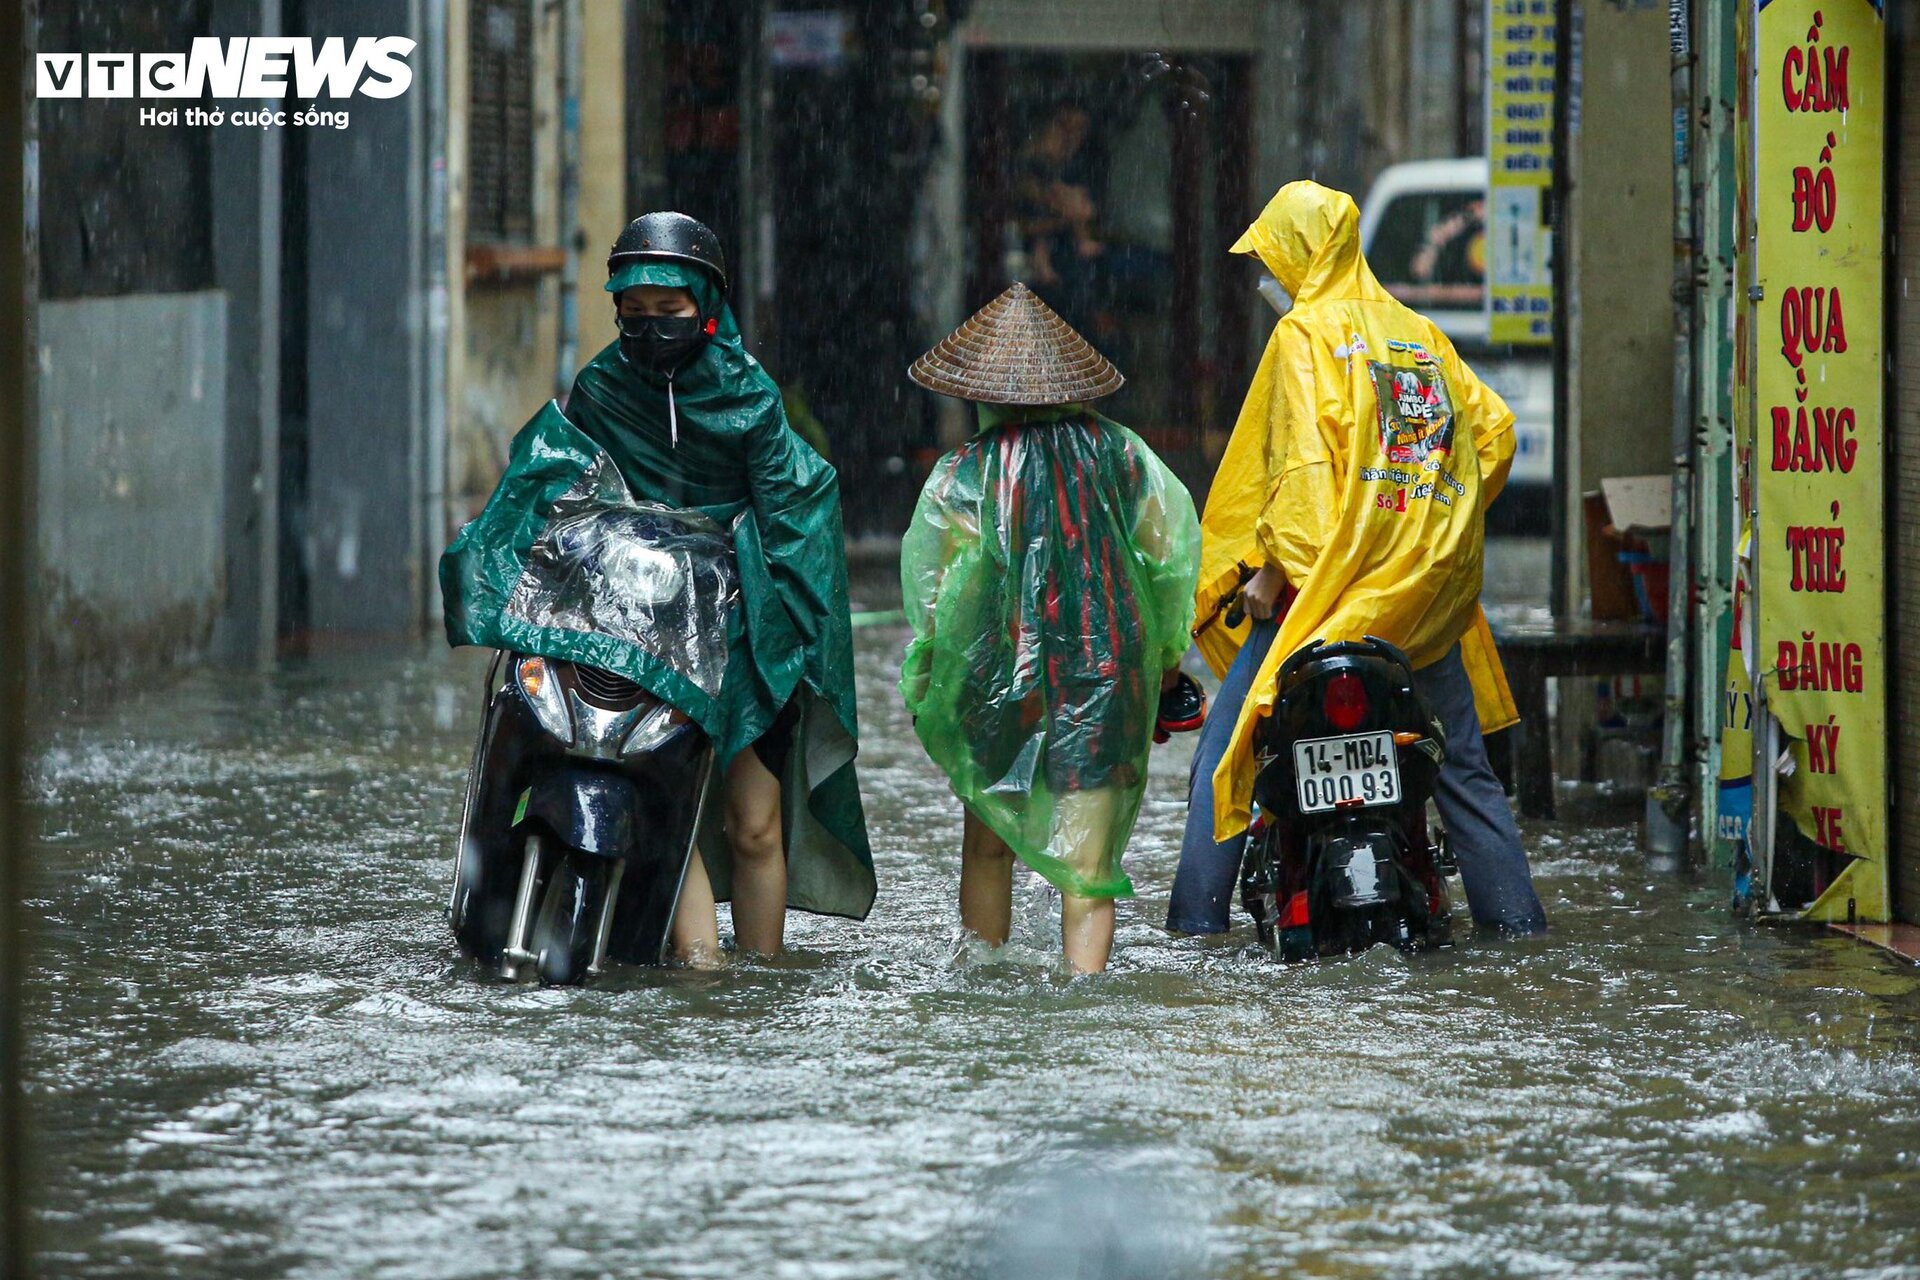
column 1345, row 702
column 1294, row 914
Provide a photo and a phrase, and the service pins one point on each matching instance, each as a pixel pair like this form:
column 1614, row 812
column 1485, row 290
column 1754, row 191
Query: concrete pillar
column 451, row 511
column 246, row 249
column 1619, row 249
column 365, row 357
column 603, row 171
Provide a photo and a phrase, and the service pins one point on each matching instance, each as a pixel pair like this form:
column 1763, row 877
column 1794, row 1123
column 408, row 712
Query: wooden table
column 1533, row 653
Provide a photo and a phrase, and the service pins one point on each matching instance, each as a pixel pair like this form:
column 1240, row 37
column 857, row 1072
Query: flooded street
column 670, row 355
column 258, row 1055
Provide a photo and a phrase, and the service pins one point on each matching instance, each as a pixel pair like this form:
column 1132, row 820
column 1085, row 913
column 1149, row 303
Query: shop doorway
column 1112, row 184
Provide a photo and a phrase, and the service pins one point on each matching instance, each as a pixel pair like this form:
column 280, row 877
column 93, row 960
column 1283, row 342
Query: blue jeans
column 1472, row 804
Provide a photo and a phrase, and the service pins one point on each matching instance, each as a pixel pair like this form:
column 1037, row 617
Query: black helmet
column 671, row 237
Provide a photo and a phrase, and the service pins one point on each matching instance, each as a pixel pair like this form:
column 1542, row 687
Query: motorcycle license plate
column 1352, row 772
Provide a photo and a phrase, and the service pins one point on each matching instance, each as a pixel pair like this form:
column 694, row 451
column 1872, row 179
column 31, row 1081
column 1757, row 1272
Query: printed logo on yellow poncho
column 1416, row 414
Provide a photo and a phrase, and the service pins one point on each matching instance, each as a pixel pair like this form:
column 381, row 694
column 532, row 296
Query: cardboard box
column 1641, row 507
column 1608, row 581
column 1626, row 514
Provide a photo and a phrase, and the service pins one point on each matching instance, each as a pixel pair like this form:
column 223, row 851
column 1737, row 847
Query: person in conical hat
column 1048, row 575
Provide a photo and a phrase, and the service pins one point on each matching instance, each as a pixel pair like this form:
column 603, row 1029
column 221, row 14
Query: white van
column 1423, row 229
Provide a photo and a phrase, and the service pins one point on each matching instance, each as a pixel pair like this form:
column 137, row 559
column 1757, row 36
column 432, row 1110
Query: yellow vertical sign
column 1818, row 111
column 1520, row 73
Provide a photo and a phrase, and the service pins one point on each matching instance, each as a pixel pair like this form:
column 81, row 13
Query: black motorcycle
column 1340, row 858
column 586, row 792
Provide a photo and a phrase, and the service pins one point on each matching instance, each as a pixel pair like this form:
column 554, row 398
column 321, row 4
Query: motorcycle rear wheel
column 1296, row 945
column 1355, row 930
column 567, row 931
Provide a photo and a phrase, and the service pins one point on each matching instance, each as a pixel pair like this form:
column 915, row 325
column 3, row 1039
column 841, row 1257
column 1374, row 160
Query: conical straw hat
column 1015, row 350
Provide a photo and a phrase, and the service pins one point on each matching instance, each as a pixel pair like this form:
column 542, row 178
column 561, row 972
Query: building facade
column 351, row 323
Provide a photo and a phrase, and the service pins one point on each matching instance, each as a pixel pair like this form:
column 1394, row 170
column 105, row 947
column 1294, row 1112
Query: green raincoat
column 736, row 461
column 1049, row 576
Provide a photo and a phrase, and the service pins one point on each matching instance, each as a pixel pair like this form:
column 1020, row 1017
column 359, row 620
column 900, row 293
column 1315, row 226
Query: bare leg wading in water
column 759, row 873
column 986, row 902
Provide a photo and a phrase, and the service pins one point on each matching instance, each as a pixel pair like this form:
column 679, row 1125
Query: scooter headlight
column 541, row 685
column 659, row 724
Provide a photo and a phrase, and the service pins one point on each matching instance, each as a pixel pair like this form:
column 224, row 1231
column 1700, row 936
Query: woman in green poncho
column 1049, row 575
column 691, row 420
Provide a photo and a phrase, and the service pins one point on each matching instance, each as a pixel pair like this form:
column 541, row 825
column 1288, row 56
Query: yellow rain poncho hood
column 1361, row 464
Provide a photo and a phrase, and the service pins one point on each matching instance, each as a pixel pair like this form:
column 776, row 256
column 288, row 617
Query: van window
column 1430, row 249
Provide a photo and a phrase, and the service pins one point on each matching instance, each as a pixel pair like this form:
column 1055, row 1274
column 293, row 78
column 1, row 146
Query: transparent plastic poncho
column 1048, row 575
column 650, row 576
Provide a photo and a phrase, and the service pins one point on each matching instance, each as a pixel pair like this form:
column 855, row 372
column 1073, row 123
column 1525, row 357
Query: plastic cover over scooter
column 566, row 563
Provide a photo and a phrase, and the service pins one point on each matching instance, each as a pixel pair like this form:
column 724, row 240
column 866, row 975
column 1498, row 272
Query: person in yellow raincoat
column 1354, row 492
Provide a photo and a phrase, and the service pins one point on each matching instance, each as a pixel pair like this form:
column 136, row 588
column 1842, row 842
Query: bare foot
column 701, row 956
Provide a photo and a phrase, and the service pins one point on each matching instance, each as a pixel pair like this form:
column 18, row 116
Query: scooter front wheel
column 566, row 935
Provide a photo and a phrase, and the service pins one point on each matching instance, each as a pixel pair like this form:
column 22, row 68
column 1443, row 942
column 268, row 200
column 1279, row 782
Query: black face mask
column 662, row 344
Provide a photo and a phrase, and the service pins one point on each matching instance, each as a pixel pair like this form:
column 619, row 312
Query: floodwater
column 257, row 1054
